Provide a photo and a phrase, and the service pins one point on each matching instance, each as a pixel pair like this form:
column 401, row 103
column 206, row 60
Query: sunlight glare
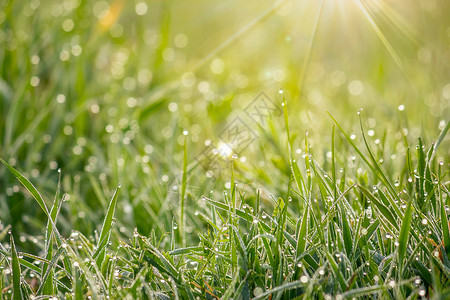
column 224, row 150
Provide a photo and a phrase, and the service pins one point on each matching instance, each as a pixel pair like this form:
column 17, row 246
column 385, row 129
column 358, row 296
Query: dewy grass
column 312, row 208
column 338, row 246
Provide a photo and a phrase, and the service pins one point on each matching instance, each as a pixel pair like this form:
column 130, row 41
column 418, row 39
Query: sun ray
column 384, row 41
column 396, row 20
column 310, row 46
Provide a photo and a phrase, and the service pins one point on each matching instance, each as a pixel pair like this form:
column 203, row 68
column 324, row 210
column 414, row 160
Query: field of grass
column 224, row 150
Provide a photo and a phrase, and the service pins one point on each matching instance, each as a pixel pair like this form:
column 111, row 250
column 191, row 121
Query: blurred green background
column 104, row 89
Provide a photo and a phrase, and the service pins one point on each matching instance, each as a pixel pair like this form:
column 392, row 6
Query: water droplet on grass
column 303, row 279
column 391, row 283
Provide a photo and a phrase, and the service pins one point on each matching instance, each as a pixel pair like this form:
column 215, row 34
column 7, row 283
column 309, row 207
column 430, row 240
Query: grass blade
column 106, row 228
column 445, row 229
column 17, row 292
column 404, row 235
column 439, row 140
column 183, row 193
column 301, row 237
column 336, row 271
column 29, row 186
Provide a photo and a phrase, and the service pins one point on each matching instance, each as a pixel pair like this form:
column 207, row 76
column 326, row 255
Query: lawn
column 224, row 149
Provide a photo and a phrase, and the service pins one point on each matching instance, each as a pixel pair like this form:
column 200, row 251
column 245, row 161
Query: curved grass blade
column 37, row 196
column 363, row 292
column 29, row 186
column 106, row 228
column 439, row 141
column 283, row 287
column 380, row 174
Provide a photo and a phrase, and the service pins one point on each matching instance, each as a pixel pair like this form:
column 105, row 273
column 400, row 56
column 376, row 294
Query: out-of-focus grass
column 104, row 90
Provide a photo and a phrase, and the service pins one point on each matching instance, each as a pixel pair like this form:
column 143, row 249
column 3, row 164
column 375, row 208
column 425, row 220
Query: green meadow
column 291, row 149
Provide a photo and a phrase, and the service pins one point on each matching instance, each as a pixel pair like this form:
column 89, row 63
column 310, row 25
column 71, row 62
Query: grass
column 388, row 240
column 109, row 111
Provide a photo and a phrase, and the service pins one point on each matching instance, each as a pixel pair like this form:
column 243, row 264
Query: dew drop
column 391, row 283
column 257, row 291
column 303, row 279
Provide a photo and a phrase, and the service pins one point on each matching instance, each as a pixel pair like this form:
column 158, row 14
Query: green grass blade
column 281, row 288
column 229, row 291
column 37, row 196
column 16, row 274
column 48, row 284
column 439, row 140
column 301, row 237
column 404, row 235
column 183, row 194
column 336, row 271
column 298, row 178
column 29, row 186
column 365, row 238
column 346, row 233
column 106, row 228
column 363, row 292
column 385, row 211
column 445, row 229
column 378, row 170
column 47, row 278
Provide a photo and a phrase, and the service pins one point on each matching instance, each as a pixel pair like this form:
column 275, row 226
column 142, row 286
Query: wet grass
column 122, row 176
